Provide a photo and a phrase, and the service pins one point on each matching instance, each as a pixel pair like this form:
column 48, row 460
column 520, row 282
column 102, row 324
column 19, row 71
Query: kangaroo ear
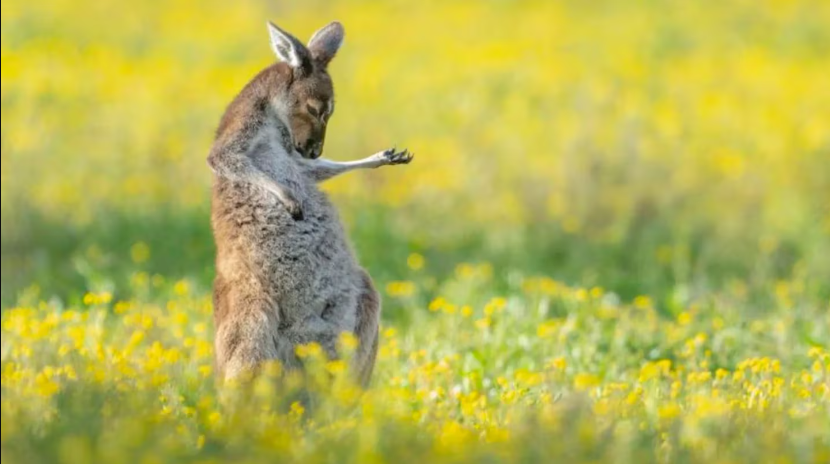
column 325, row 42
column 289, row 49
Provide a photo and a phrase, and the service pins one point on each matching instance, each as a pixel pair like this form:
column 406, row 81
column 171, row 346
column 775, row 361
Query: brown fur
column 285, row 272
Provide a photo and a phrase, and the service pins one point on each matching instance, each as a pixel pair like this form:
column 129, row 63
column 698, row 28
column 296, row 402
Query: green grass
column 611, row 246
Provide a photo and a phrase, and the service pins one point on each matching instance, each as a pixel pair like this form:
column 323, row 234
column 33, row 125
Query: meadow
column 613, row 244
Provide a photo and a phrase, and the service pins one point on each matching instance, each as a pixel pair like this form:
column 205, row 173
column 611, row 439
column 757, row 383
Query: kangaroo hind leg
column 245, row 340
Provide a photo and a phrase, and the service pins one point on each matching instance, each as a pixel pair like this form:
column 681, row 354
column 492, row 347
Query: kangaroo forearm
column 323, row 169
column 240, row 168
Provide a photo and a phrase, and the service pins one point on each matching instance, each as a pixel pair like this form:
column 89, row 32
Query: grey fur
column 285, row 271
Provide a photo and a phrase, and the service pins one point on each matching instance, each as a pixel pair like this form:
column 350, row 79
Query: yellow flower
column 642, row 302
column 348, row 341
column 181, row 288
column 557, row 363
column 310, row 350
column 815, row 352
column 437, row 304
column 205, row 371
column 649, row 371
column 401, row 288
column 92, row 299
column 213, row 418
column 483, row 323
column 584, row 381
column 527, row 378
column 547, row 329
column 140, row 252
column 453, row 435
column 336, row 367
column 669, row 411
column 415, row 261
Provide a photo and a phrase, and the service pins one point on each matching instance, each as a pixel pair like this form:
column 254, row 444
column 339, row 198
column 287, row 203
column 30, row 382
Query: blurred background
column 664, row 148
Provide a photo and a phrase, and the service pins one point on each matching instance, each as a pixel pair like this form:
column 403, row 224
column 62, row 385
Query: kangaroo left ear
column 289, row 49
column 324, row 44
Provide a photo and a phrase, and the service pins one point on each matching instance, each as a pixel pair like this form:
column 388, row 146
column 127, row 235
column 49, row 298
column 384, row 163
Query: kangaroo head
column 309, row 97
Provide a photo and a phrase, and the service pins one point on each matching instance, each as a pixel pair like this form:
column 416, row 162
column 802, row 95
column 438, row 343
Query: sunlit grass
column 544, row 371
column 643, row 186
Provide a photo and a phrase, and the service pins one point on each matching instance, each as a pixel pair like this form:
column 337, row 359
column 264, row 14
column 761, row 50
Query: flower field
column 549, row 372
column 612, row 246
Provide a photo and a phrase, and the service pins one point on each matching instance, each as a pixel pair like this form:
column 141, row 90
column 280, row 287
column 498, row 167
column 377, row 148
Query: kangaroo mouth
column 310, row 152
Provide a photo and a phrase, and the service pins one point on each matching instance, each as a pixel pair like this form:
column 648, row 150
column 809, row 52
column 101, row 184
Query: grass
column 611, row 246
column 544, row 372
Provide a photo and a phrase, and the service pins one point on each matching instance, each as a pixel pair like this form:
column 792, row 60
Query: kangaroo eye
column 313, row 111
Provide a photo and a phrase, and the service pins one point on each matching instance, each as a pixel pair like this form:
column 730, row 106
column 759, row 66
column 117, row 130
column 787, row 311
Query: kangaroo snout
column 312, row 149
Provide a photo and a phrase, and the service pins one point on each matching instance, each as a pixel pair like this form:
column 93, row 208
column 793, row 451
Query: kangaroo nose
column 316, row 152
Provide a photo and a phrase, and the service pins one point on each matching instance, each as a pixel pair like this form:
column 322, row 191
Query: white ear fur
column 286, row 47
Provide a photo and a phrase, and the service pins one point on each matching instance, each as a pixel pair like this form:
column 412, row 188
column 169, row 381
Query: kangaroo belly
column 306, row 266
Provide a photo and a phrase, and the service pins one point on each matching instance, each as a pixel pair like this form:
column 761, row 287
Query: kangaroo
column 285, row 272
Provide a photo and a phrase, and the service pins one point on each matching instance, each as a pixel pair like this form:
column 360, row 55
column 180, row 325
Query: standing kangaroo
column 285, row 272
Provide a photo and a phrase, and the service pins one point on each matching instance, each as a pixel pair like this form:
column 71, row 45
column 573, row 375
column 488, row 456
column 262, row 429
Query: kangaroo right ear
column 325, row 43
column 289, row 49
